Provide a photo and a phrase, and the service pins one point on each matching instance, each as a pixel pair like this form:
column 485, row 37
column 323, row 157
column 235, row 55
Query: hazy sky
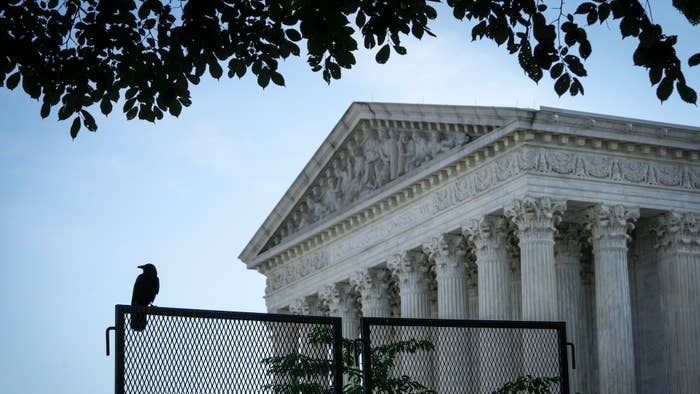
column 187, row 194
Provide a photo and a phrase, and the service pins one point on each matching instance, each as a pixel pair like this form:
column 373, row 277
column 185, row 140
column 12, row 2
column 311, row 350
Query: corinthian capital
column 678, row 231
column 610, row 221
column 371, row 283
column 446, row 250
column 300, row 306
column 535, row 216
column 489, row 232
column 337, row 298
column 409, row 262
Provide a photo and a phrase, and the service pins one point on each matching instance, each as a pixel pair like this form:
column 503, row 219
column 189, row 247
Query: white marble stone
column 609, row 226
column 679, row 267
column 454, row 349
column 489, row 236
column 567, row 254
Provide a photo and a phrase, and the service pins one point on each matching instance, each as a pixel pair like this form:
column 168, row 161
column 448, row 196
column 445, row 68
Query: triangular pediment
column 373, row 146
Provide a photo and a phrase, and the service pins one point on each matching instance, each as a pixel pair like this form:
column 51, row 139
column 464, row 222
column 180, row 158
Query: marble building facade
column 429, row 211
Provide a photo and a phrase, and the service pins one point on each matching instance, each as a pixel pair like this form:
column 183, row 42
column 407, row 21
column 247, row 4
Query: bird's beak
column 140, row 266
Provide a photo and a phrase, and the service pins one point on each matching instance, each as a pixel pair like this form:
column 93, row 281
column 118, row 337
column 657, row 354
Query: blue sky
column 187, row 194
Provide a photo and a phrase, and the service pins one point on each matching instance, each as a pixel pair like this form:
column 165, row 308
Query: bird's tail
column 138, row 319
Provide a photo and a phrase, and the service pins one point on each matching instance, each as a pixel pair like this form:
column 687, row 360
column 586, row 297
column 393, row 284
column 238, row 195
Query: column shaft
column 568, row 265
column 497, row 366
column 454, row 353
column 616, row 364
column 679, row 274
column 412, row 270
column 536, row 218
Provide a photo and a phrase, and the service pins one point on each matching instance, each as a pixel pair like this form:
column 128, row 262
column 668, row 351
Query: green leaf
column 400, row 50
column 360, row 19
column 106, row 106
column 584, row 49
column 63, row 112
column 562, row 84
column 75, row 127
column 603, row 12
column 556, row 70
column 264, row 78
column 53, row 3
column 130, row 93
column 45, row 110
column 175, row 108
column 665, row 89
column 277, row 78
column 12, row 81
column 293, row 35
column 89, row 120
column 694, row 60
column 215, row 68
column 383, row 54
column 131, row 114
column 687, row 93
column 655, row 75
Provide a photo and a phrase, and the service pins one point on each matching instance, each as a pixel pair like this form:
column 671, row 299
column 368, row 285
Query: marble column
column 515, row 307
column 489, row 236
column 448, row 252
column 454, row 356
column 588, row 360
column 567, row 254
column 678, row 248
column 412, row 270
column 535, row 218
column 284, row 340
column 340, row 300
column 311, row 306
column 609, row 226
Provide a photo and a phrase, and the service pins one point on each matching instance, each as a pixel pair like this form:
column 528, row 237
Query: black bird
column 145, row 289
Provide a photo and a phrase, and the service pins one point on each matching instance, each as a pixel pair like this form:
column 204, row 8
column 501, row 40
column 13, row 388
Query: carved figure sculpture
column 316, row 208
column 373, row 163
column 407, row 151
column 330, row 198
column 389, row 155
column 435, row 147
column 421, row 147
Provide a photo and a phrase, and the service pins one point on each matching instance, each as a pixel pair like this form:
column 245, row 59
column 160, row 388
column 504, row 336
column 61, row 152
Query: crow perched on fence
column 145, row 289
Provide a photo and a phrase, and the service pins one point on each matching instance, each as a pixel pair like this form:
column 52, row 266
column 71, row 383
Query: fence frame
column 366, row 324
column 121, row 310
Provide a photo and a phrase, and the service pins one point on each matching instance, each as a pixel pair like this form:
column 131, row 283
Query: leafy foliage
column 298, row 373
column 145, row 54
column 528, row 384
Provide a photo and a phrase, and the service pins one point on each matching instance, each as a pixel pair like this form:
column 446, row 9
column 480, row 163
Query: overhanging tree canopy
column 72, row 54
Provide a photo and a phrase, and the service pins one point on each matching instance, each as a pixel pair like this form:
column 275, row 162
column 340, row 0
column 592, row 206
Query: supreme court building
column 461, row 212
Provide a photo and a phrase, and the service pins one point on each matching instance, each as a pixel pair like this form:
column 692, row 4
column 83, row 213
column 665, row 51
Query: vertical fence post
column 119, row 350
column 563, row 358
column 337, row 356
column 366, row 356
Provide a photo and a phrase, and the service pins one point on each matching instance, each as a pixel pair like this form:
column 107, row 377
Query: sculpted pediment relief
column 368, row 159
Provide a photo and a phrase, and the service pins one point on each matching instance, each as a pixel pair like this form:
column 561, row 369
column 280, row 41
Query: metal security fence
column 466, row 356
column 185, row 351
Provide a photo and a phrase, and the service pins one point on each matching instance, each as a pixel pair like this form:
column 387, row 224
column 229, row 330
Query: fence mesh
column 471, row 356
column 190, row 351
